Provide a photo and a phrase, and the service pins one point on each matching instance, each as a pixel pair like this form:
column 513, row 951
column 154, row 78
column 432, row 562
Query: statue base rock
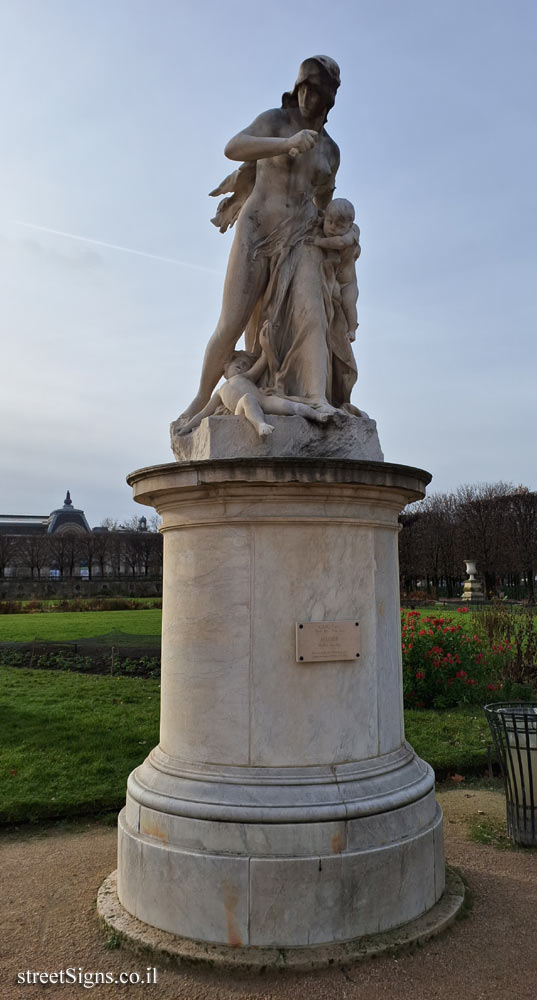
column 232, row 437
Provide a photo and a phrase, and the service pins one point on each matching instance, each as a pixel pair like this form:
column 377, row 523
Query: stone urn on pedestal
column 473, row 587
column 283, row 817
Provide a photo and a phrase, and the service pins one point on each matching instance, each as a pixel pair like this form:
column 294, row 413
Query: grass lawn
column 455, row 740
column 65, row 626
column 69, row 741
column 450, row 610
column 468, row 619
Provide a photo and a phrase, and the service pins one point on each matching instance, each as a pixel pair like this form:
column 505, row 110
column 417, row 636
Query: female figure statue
column 275, row 270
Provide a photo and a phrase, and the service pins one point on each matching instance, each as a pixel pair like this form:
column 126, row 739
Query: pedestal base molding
column 173, row 950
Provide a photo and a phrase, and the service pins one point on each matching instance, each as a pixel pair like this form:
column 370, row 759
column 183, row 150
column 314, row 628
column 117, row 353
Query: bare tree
column 33, row 553
column 150, row 543
column 523, row 522
column 483, row 515
column 110, row 524
column 494, row 523
column 132, row 550
column 88, row 550
column 64, row 549
column 8, row 550
column 154, row 522
column 135, row 523
column 115, row 551
column 142, row 545
column 100, row 545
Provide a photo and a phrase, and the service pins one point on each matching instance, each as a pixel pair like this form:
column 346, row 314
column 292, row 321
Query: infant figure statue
column 241, row 395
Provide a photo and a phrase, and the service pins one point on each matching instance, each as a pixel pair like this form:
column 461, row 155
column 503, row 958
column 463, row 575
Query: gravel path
column 48, row 922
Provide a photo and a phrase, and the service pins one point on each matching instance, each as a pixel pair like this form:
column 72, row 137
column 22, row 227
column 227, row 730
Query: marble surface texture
column 290, row 284
column 234, row 437
column 263, row 899
column 282, row 806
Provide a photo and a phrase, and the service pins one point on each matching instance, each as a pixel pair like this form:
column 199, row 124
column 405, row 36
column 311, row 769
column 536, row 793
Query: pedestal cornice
column 396, row 484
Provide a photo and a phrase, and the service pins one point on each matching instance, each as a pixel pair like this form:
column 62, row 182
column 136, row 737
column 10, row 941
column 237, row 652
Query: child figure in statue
column 341, row 233
column 241, row 395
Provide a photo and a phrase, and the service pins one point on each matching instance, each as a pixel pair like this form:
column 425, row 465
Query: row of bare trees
column 114, row 552
column 493, row 523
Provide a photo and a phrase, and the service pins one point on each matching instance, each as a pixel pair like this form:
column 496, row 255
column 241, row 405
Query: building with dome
column 66, row 518
column 61, row 546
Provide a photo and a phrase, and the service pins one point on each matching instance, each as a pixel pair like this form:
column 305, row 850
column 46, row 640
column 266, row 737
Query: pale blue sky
column 114, row 119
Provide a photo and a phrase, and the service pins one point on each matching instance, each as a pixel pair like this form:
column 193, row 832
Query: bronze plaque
column 327, row 641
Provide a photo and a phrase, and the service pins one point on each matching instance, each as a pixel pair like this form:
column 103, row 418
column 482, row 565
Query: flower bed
column 445, row 664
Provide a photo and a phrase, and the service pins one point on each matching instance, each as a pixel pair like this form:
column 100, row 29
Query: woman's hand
column 302, row 141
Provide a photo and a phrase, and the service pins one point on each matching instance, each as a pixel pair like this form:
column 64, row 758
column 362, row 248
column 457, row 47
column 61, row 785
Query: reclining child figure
column 241, row 395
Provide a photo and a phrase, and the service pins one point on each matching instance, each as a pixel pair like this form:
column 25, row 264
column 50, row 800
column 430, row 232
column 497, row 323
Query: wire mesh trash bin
column 514, row 731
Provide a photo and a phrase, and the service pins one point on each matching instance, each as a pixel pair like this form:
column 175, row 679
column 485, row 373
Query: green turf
column 118, row 638
column 65, row 626
column 455, row 740
column 69, row 741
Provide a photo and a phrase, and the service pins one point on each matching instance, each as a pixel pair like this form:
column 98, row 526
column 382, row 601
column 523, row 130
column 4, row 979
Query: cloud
column 116, row 246
column 82, row 257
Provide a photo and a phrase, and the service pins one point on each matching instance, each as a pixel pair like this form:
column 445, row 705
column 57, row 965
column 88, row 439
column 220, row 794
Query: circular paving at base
column 174, row 950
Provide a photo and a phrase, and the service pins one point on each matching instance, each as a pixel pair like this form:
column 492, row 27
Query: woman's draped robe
column 301, row 302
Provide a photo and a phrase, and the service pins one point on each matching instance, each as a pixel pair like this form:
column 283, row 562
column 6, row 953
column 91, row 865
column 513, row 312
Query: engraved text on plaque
column 326, row 641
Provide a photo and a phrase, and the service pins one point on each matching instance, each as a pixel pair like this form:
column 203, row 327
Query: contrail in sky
column 114, row 246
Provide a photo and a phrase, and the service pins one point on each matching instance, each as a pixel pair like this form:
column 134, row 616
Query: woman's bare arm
column 258, row 140
column 207, row 411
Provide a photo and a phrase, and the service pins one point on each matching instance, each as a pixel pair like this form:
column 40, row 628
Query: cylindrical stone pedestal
column 283, row 807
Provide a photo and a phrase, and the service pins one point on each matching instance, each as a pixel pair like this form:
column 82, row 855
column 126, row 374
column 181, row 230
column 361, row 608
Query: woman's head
column 321, row 75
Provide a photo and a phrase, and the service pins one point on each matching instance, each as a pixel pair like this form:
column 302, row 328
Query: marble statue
column 291, row 274
column 240, row 394
column 340, row 234
column 283, row 817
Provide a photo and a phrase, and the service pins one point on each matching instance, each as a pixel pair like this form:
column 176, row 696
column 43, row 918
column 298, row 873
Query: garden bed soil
column 99, row 655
